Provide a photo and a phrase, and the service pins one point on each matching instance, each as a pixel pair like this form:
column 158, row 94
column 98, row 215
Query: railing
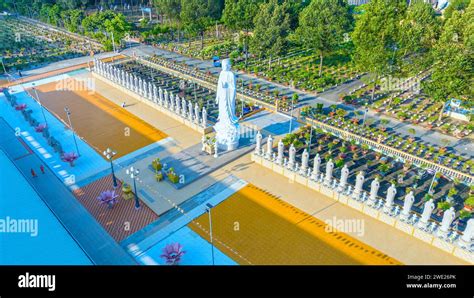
column 205, row 83
column 387, row 150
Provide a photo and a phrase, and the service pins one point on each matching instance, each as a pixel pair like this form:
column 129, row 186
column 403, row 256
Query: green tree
column 455, row 5
column 272, row 25
column 118, row 26
column 322, row 26
column 196, row 17
column 419, row 30
column 54, row 15
column 375, row 37
column 68, row 4
column 454, row 60
column 72, row 19
column 239, row 15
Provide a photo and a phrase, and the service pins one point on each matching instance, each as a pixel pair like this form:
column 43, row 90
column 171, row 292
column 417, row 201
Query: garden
column 251, row 88
column 405, row 101
column 24, row 46
column 425, row 184
column 378, row 132
column 222, row 47
column 187, row 90
column 299, row 68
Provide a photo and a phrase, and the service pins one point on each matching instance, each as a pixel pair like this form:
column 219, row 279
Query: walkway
column 93, row 239
column 390, row 240
column 268, row 231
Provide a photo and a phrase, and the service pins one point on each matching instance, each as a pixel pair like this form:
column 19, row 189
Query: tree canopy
column 272, row 25
column 322, row 25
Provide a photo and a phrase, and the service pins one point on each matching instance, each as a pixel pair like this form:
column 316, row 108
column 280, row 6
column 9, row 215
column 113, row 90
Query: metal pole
column 210, row 233
column 432, row 181
column 365, row 115
column 113, row 173
column 137, row 202
column 291, row 115
column 5, row 70
column 113, row 41
column 310, row 132
column 72, row 129
column 41, row 105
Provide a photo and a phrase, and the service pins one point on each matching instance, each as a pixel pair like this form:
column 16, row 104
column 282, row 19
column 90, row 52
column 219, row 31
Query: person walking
column 123, row 104
column 33, row 173
column 42, row 169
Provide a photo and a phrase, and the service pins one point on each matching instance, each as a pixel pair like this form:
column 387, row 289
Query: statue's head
column 226, row 64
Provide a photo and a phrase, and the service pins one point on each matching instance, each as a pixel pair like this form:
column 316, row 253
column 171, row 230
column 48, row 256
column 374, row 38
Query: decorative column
column 281, row 149
column 448, row 218
column 391, row 192
column 196, row 113
column 316, row 165
column 328, row 176
column 166, row 101
column 150, row 91
column 258, row 143
column 204, row 117
column 467, row 238
column 161, row 98
column 190, row 111
column 183, row 107
column 155, row 94
column 407, row 204
column 426, row 215
column 343, row 182
column 177, row 104
column 129, row 81
column 292, row 154
column 135, row 83
column 358, row 185
column 304, row 162
column 269, row 147
column 171, row 97
column 374, row 188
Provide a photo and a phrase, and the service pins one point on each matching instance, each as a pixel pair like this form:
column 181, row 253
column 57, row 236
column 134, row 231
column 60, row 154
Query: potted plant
column 469, row 203
column 158, row 176
column 172, row 253
column 69, row 157
column 156, row 164
column 126, row 188
column 172, row 176
column 444, row 205
column 108, row 197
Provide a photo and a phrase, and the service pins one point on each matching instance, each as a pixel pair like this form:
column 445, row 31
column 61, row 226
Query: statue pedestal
column 227, row 136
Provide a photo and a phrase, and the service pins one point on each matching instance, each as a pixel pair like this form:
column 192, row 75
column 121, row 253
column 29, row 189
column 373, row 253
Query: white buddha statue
column 227, row 127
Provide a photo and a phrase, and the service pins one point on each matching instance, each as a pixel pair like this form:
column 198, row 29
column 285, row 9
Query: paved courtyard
column 268, row 231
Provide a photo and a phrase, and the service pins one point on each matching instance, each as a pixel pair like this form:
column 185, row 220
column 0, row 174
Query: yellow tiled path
column 98, row 120
column 263, row 229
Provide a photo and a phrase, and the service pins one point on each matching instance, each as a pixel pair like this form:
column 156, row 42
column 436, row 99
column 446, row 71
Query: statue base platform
column 228, row 146
column 227, row 136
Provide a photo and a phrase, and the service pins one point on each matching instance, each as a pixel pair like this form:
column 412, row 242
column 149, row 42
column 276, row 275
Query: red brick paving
column 114, row 220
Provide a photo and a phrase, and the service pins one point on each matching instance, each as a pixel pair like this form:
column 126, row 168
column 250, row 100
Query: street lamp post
column 133, row 173
column 5, row 70
column 291, row 114
column 365, row 114
column 68, row 113
column 311, row 131
column 41, row 105
column 208, row 210
column 432, row 182
column 109, row 154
